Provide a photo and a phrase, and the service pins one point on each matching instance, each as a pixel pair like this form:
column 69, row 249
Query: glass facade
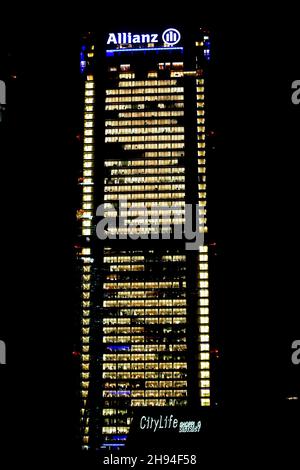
column 145, row 300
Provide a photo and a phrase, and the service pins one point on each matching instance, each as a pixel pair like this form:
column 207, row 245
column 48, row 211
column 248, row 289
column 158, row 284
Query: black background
column 255, row 225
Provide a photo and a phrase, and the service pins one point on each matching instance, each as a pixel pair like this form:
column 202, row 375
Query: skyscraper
column 145, row 291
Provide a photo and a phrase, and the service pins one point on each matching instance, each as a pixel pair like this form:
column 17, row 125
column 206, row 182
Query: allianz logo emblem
column 171, row 36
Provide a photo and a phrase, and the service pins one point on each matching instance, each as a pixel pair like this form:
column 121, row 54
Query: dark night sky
column 256, row 194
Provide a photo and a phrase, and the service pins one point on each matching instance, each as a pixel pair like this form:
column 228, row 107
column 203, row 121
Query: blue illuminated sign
column 112, row 445
column 118, row 347
column 82, row 61
column 111, row 52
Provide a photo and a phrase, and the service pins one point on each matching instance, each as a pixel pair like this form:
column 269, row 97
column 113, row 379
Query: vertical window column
column 86, row 215
column 203, row 292
column 88, row 157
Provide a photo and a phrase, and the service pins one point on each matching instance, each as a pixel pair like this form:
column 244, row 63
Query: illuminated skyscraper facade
column 145, row 296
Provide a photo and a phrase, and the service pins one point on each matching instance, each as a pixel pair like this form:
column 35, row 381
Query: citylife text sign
column 170, row 37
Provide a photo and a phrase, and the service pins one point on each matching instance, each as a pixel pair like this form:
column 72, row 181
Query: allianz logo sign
column 170, row 36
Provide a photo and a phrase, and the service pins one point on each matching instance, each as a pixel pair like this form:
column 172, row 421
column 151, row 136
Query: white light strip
column 203, row 293
column 86, row 230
